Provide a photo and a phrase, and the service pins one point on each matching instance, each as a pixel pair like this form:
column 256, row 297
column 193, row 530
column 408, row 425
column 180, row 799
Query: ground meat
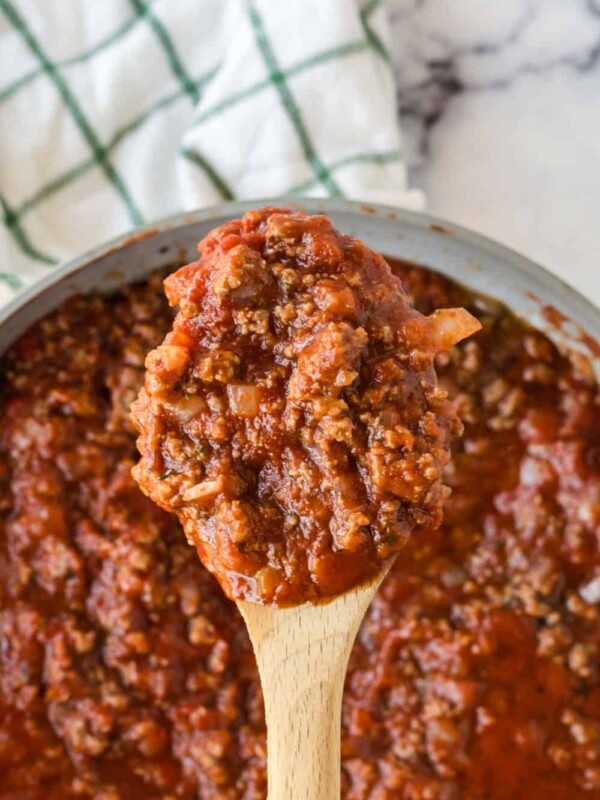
column 126, row 675
column 121, row 665
column 291, row 418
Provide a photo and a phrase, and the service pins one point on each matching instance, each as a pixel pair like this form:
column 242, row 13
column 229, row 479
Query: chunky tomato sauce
column 126, row 674
column 292, row 418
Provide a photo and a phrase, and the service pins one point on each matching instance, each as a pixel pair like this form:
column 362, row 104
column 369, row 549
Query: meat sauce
column 125, row 673
column 292, row 418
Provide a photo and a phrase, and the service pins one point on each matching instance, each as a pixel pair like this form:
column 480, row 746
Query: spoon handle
column 302, row 655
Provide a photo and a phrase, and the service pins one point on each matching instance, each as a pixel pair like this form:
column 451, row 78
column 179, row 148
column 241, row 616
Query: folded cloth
column 120, row 112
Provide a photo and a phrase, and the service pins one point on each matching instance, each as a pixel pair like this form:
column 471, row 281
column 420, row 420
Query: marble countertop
column 500, row 106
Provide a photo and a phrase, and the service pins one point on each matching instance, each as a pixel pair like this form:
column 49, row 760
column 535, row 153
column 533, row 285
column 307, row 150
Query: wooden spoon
column 346, row 331
column 302, row 654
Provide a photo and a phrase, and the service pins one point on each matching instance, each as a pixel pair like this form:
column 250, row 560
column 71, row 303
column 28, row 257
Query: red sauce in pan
column 125, row 673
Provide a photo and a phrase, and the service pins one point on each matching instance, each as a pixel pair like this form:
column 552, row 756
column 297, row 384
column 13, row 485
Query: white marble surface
column 500, row 102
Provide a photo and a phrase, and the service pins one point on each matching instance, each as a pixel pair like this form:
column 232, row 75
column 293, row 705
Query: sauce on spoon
column 292, row 418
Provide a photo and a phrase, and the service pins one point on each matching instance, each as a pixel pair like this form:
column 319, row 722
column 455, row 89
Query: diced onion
column 448, row 326
column 185, row 409
column 244, row 399
column 205, row 491
column 590, row 591
column 244, row 293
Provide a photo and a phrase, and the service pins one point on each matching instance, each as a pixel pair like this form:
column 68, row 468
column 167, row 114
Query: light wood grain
column 302, row 655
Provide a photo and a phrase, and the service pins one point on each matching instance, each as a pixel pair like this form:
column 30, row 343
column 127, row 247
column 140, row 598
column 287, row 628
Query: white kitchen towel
column 114, row 113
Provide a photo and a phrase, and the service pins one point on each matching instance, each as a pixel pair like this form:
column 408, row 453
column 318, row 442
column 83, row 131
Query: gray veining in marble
column 500, row 104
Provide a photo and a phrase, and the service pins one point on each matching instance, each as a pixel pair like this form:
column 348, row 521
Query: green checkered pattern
column 171, row 106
